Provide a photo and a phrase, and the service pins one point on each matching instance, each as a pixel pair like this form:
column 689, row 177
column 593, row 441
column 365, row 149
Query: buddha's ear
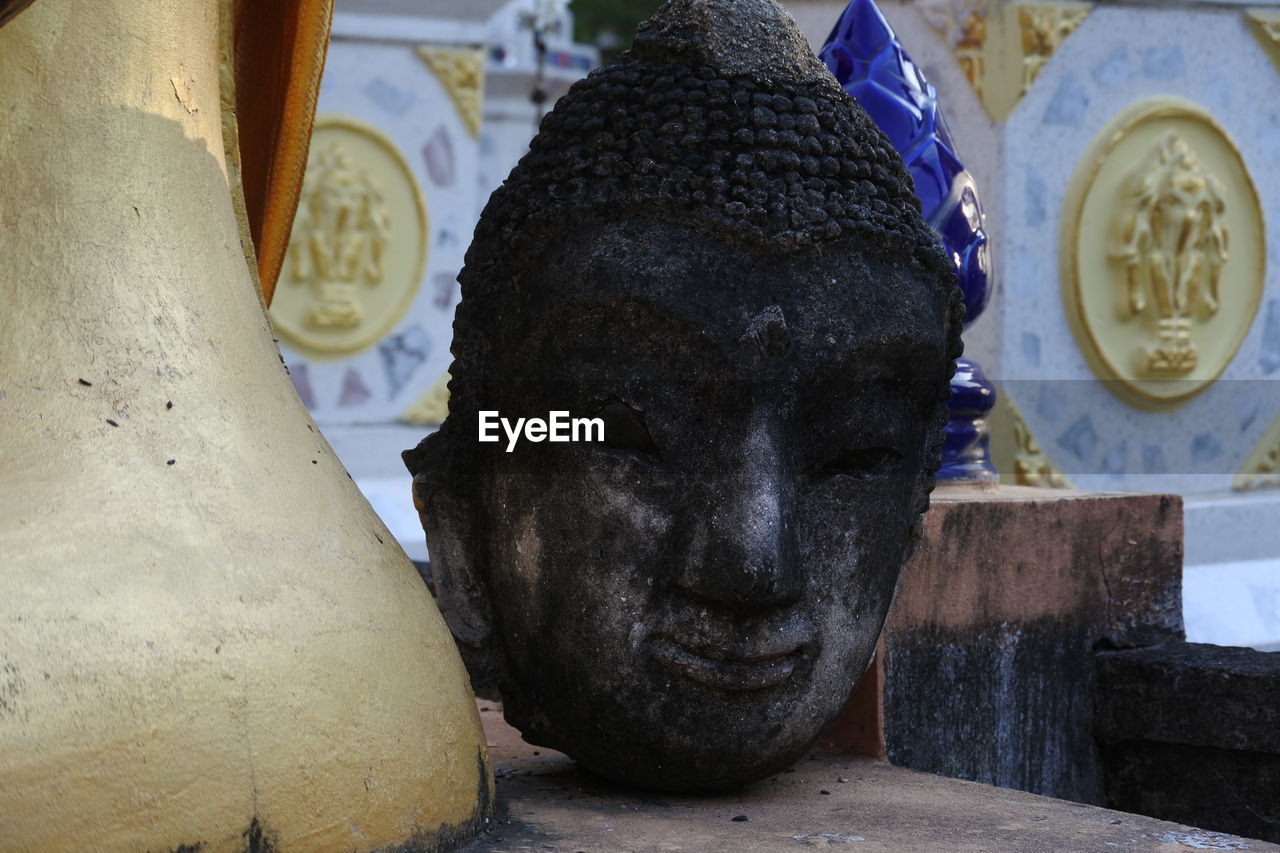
column 449, row 518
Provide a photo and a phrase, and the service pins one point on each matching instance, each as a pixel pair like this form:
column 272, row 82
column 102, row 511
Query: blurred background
column 1088, row 128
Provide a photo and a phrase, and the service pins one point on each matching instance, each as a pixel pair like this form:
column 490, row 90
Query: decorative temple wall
column 1132, row 353
column 423, row 110
column 1127, row 159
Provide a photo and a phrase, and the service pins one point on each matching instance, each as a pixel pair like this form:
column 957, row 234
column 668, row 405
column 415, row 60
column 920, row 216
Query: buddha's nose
column 742, row 552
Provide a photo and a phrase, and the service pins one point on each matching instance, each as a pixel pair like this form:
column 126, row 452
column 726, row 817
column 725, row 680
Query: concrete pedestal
column 545, row 803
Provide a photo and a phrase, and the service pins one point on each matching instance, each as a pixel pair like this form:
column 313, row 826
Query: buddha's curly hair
column 773, row 167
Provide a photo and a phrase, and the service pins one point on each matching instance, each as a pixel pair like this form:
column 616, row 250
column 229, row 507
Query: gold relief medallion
column 1163, row 252
column 358, row 248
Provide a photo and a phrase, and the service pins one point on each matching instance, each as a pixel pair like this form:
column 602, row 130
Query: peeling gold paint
column 183, row 87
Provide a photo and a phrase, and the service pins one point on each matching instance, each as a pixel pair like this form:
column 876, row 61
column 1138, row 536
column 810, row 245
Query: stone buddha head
column 711, row 248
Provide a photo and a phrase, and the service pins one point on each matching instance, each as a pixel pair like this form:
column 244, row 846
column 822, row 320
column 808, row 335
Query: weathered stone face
column 688, row 604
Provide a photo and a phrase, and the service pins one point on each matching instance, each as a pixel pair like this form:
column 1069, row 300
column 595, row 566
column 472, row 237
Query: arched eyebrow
column 902, row 361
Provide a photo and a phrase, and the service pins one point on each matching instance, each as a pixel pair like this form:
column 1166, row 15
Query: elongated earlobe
column 456, row 552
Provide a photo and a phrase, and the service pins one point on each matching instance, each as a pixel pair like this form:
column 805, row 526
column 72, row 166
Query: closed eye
column 625, row 431
column 864, row 462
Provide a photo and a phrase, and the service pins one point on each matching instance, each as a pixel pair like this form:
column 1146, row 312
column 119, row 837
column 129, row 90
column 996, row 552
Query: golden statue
column 207, row 638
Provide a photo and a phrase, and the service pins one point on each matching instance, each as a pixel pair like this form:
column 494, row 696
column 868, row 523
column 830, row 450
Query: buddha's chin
column 701, row 738
column 694, row 770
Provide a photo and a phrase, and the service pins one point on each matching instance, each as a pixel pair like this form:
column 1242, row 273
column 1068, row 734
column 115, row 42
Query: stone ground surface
column 545, row 803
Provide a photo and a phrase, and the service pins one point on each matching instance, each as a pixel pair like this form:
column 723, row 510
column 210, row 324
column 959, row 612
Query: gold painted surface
column 1163, row 252
column 359, row 244
column 1265, row 24
column 1015, row 451
column 1261, row 468
column 203, row 626
column 1002, row 47
column 460, row 71
column 432, row 407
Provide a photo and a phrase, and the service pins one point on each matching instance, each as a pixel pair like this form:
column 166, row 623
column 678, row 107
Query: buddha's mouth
column 759, row 671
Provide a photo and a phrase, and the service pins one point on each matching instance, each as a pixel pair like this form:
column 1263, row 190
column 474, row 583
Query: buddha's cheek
column 852, row 554
column 576, row 559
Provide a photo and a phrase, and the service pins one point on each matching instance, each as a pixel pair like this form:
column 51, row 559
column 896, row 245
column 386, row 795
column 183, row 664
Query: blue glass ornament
column 966, row 444
column 866, row 58
column 870, row 63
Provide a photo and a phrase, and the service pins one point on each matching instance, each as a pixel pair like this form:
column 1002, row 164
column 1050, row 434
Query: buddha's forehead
column 636, row 280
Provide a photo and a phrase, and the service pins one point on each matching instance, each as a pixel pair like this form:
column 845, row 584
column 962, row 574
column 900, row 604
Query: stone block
column 1192, row 732
column 985, row 667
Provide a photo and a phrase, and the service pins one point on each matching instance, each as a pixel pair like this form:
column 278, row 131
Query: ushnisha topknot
column 721, row 112
column 754, row 39
column 719, row 115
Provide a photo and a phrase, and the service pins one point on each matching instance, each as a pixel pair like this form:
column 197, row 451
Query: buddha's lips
column 736, row 674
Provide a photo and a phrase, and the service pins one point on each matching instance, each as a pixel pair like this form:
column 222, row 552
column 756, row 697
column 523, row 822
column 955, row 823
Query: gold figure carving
column 432, row 407
column 963, row 26
column 1031, row 466
column 1001, row 48
column 1173, row 243
column 1144, row 252
column 340, row 234
column 970, row 41
column 1043, row 28
column 1016, row 452
column 1266, row 27
column 461, row 73
column 358, row 250
column 1261, row 469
